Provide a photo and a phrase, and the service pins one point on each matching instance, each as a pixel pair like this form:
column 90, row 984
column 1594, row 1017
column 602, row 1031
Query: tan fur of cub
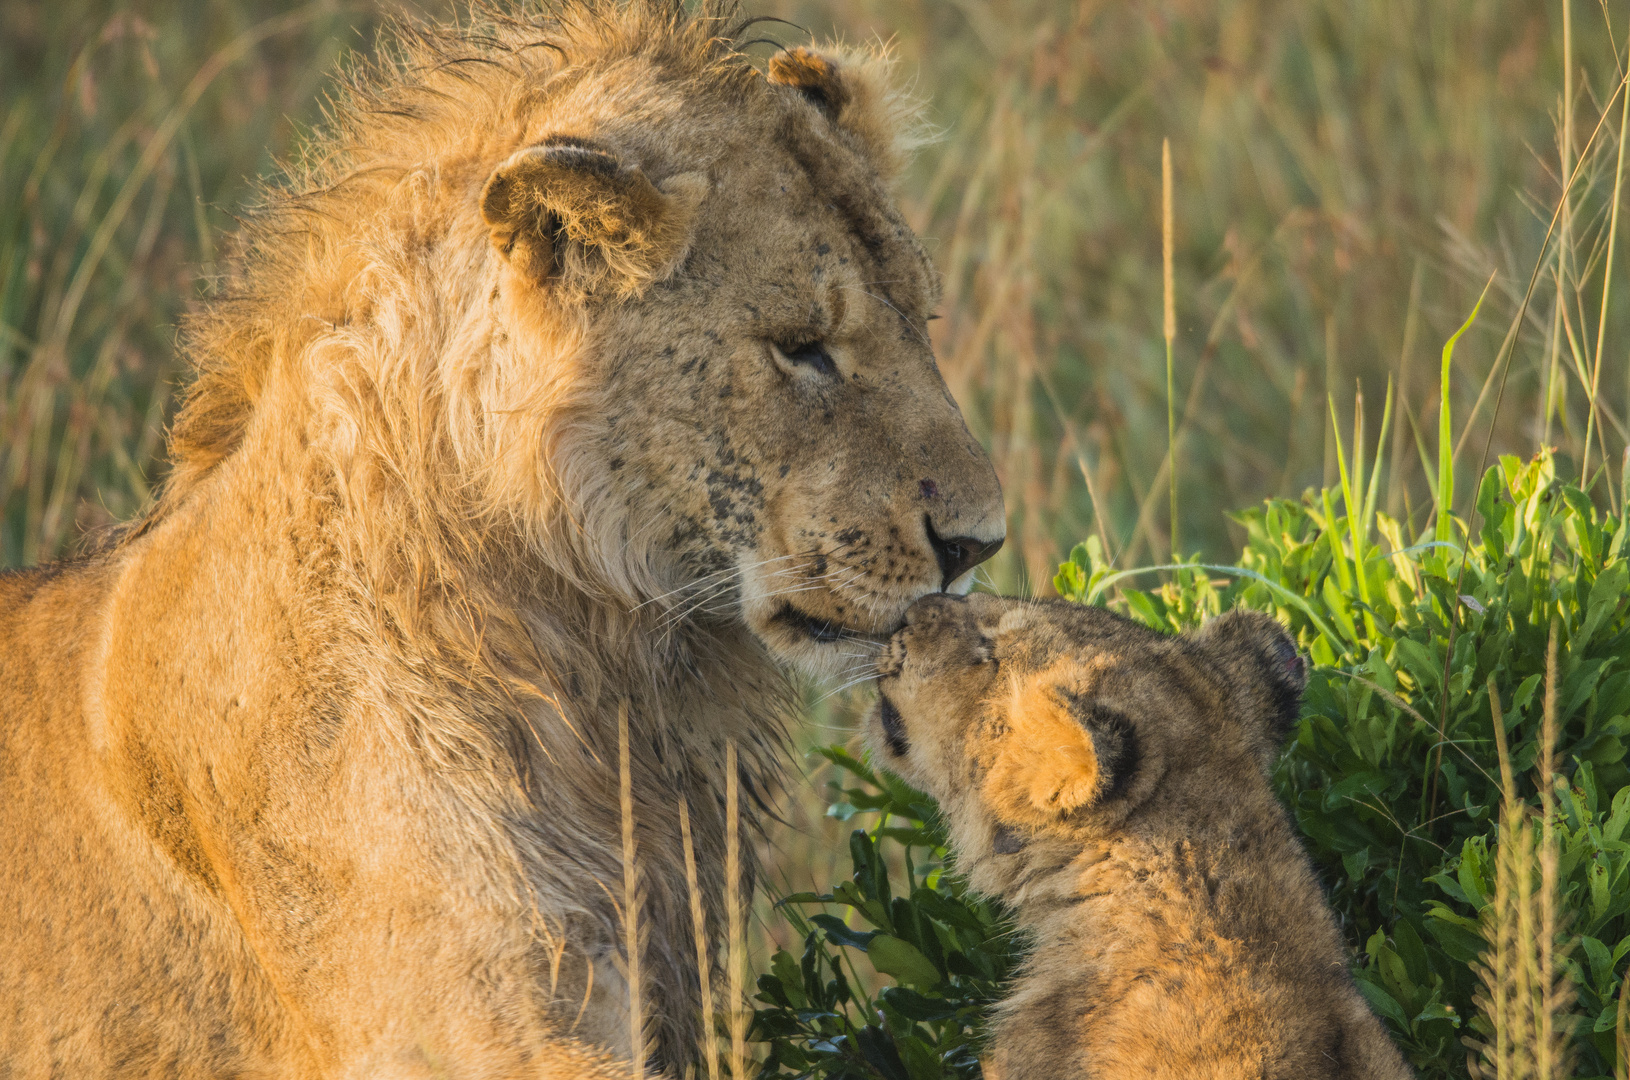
column 1110, row 784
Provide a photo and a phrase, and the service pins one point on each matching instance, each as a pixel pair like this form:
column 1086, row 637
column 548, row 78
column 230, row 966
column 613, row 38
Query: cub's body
column 1110, row 785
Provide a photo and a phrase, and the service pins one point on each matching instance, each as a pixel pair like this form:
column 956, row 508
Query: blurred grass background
column 1347, row 177
column 1348, row 174
column 129, row 135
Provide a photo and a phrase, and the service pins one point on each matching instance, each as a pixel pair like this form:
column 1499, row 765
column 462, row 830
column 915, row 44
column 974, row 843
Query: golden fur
column 580, row 367
column 1110, row 785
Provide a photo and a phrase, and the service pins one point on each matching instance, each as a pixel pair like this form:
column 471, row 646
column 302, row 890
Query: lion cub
column 1110, row 784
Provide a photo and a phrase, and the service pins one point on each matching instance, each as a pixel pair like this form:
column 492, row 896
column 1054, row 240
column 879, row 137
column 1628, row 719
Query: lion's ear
column 856, row 92
column 572, row 212
column 1059, row 752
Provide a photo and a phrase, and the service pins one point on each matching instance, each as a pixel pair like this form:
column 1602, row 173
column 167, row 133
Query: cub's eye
column 809, row 354
column 894, row 729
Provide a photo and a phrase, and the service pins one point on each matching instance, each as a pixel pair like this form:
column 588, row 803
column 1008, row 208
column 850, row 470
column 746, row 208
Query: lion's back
column 81, row 897
column 53, row 854
column 39, row 607
column 47, row 623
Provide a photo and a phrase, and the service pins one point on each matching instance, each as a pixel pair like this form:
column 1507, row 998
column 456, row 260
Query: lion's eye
column 810, row 354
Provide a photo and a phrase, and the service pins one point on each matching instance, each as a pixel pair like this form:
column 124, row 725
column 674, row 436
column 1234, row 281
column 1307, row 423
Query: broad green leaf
column 891, row 956
column 1425, row 667
column 1606, row 594
column 1383, row 1002
column 839, row 934
column 1071, row 581
column 1601, row 962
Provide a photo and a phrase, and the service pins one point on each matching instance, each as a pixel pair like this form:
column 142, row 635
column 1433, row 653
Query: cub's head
column 1038, row 720
column 745, row 415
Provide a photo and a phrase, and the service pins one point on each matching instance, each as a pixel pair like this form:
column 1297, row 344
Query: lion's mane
column 426, row 414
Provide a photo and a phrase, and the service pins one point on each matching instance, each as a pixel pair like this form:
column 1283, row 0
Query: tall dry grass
column 635, row 933
column 1345, row 176
column 1527, row 997
column 704, row 948
column 129, row 133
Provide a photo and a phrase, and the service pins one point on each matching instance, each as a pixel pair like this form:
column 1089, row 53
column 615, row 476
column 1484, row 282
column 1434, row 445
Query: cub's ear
column 1262, row 671
column 1060, row 751
column 570, row 213
column 856, row 92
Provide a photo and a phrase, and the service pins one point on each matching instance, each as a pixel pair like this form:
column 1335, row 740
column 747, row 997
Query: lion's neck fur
column 502, row 659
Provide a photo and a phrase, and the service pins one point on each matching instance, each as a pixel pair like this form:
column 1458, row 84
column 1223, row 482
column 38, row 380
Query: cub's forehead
column 1040, row 632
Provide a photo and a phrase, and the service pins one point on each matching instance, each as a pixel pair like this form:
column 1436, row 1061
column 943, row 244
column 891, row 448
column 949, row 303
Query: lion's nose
column 958, row 554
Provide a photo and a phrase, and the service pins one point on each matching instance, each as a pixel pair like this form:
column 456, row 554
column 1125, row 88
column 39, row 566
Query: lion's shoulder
column 46, row 613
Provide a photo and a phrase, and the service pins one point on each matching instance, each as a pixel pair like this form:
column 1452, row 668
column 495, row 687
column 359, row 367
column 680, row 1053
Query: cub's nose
column 958, row 554
column 927, row 610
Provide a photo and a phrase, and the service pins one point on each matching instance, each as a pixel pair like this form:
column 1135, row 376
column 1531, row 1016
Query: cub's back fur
column 1111, row 785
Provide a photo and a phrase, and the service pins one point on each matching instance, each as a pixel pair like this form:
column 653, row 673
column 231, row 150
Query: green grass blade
column 1445, row 493
column 1375, row 473
column 1290, row 598
column 1338, row 557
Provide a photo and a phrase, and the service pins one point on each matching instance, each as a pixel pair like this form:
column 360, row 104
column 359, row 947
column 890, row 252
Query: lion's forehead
column 800, row 206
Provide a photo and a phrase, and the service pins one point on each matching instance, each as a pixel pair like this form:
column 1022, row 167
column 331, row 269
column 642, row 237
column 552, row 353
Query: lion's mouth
column 819, row 630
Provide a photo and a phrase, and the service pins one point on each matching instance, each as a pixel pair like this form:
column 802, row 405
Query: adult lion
column 585, row 369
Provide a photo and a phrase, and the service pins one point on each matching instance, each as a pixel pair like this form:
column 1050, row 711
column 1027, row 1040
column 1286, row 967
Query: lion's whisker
column 844, row 686
column 920, row 335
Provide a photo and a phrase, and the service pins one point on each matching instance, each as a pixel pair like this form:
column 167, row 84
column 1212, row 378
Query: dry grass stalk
column 1498, row 976
column 1397, row 490
column 631, row 899
column 1551, row 1053
column 1601, row 322
column 1169, row 330
column 737, row 944
column 1526, row 997
column 1555, row 388
column 704, row 957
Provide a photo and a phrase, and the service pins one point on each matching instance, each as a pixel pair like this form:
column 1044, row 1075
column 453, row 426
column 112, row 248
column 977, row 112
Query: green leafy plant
column 1393, row 775
column 943, row 952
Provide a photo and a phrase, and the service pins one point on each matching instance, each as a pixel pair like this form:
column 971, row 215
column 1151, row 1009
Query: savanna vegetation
column 1272, row 421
